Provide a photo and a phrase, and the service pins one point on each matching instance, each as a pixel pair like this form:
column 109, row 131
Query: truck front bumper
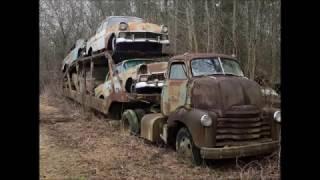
column 239, row 151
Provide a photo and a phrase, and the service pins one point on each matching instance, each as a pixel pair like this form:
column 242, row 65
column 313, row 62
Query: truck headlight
column 277, row 116
column 206, row 120
column 123, row 26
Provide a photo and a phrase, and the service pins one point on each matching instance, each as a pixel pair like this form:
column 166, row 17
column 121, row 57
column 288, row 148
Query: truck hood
column 226, row 94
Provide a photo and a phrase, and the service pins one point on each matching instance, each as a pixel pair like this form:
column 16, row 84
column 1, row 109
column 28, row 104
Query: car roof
column 109, row 17
column 126, row 60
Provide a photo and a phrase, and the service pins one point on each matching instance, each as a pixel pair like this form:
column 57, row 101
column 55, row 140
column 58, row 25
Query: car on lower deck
column 138, row 75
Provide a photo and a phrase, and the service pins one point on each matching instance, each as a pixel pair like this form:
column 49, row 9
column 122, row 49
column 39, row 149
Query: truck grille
column 241, row 131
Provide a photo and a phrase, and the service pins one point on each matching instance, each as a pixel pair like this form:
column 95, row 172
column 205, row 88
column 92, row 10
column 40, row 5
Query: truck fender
column 202, row 136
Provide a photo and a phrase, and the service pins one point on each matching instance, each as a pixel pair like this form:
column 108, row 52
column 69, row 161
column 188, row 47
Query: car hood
column 136, row 26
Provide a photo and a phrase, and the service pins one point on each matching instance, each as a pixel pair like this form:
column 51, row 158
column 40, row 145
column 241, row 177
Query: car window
column 119, row 68
column 177, row 71
column 99, row 28
column 117, row 20
column 231, row 66
column 205, row 66
column 134, row 63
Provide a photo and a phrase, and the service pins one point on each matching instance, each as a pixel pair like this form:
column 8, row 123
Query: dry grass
column 78, row 144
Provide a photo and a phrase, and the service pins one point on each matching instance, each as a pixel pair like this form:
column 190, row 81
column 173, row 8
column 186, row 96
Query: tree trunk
column 176, row 3
column 189, row 29
column 234, row 27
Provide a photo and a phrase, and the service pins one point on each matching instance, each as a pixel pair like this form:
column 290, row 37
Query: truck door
column 174, row 92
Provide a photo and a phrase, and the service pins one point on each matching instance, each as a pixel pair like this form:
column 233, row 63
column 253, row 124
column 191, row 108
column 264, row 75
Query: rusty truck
column 208, row 110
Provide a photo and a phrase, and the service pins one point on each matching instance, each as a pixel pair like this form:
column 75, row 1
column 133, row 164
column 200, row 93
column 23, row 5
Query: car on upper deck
column 126, row 34
column 77, row 50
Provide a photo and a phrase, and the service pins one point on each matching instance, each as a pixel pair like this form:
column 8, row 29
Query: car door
column 174, row 92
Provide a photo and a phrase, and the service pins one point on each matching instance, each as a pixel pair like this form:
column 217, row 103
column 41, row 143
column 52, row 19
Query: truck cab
column 210, row 110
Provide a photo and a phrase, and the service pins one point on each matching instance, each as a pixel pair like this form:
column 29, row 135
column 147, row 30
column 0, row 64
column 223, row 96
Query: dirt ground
column 78, row 144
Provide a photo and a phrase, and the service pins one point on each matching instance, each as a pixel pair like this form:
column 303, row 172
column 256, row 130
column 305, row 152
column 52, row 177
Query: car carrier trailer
column 202, row 114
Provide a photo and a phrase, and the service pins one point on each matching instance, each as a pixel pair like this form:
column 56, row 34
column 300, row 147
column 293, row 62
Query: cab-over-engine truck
column 209, row 110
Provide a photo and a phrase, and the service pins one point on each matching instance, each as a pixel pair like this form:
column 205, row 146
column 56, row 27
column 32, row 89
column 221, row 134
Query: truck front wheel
column 186, row 148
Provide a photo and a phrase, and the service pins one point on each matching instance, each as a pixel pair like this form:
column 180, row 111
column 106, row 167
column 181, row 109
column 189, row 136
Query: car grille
column 159, row 76
column 143, row 35
column 241, row 131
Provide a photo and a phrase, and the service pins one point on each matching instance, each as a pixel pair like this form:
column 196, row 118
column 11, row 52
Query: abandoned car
column 127, row 33
column 77, row 50
column 136, row 76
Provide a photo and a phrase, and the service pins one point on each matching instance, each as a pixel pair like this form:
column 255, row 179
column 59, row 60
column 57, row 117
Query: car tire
column 186, row 148
column 113, row 44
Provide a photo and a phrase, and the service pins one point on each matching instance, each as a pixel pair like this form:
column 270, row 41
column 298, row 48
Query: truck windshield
column 210, row 66
column 133, row 63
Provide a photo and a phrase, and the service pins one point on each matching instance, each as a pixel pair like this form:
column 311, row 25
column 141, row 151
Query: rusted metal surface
column 235, row 105
column 153, row 70
column 242, row 123
column 112, row 90
column 202, row 136
column 239, row 151
column 151, row 126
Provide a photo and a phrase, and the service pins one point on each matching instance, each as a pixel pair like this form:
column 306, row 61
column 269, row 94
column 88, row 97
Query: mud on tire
column 186, row 148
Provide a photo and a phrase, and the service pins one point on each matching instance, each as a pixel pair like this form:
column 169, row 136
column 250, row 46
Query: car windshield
column 132, row 63
column 210, row 66
column 117, row 20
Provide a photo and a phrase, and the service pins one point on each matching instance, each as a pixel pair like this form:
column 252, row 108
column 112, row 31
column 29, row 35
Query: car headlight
column 123, row 26
column 164, row 29
column 143, row 78
column 164, row 37
column 277, row 116
column 206, row 120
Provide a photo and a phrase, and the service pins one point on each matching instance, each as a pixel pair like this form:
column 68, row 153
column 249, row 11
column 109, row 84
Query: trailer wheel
column 130, row 122
column 186, row 148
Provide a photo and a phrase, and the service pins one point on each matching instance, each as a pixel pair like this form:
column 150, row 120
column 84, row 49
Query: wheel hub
column 185, row 147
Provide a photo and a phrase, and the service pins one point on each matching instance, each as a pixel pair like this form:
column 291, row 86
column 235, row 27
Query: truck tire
column 186, row 148
column 130, row 122
column 140, row 113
